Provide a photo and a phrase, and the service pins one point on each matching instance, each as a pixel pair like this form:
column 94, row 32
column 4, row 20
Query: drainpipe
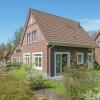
column 50, row 59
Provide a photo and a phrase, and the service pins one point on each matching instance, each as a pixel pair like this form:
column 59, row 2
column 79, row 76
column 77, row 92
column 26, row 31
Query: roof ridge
column 54, row 15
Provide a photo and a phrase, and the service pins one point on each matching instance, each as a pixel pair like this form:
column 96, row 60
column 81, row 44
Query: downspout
column 50, row 59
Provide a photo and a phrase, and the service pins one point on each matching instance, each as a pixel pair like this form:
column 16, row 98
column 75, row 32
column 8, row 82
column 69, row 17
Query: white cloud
column 90, row 24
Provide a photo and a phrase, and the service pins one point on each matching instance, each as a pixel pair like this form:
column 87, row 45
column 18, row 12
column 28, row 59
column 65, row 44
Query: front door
column 62, row 60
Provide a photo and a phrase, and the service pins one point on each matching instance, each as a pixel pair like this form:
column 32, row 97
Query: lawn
column 14, row 89
column 55, row 86
column 97, row 73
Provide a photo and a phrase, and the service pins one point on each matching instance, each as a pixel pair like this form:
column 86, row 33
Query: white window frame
column 24, row 54
column 33, row 59
column 14, row 58
column 29, row 38
column 36, row 36
column 92, row 59
column 82, row 59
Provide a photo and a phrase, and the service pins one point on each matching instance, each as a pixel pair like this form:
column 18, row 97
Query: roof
column 18, row 43
column 98, row 33
column 6, row 53
column 60, row 30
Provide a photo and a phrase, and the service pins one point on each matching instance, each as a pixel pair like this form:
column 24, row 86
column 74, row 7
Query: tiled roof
column 61, row 30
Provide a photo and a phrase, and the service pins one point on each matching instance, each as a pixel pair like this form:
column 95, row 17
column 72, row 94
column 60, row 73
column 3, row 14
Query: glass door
column 62, row 59
column 90, row 61
column 58, row 64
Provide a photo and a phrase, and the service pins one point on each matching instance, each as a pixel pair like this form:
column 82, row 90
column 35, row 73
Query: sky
column 13, row 13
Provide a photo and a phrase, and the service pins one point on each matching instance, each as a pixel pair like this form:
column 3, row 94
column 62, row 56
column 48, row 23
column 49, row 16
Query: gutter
column 71, row 45
column 50, row 59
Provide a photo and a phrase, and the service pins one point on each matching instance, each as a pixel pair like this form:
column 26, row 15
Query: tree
column 17, row 35
column 2, row 47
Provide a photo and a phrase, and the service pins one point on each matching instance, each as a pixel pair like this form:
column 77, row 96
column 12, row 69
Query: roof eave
column 70, row 45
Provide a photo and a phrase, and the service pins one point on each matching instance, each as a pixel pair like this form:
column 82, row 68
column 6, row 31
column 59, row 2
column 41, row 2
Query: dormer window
column 34, row 36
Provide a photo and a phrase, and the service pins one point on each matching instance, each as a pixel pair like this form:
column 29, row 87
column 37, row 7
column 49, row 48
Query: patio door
column 62, row 60
column 90, row 61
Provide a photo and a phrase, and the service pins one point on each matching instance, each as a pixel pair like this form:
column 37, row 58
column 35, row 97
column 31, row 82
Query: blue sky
column 13, row 13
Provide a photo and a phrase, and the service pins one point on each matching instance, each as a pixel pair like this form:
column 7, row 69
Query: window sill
column 80, row 63
column 38, row 68
column 31, row 42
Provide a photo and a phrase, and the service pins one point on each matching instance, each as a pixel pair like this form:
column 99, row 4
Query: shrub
column 36, row 80
column 12, row 66
column 77, row 83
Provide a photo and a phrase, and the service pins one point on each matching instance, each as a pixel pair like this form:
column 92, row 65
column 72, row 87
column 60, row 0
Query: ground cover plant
column 12, row 88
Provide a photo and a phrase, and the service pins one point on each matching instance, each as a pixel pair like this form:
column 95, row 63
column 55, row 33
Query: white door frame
column 91, row 54
column 68, row 57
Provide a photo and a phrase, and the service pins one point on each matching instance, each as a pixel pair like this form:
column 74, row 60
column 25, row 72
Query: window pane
column 79, row 58
column 14, row 60
column 36, row 62
column 28, row 37
column 27, row 59
column 39, row 61
column 34, row 36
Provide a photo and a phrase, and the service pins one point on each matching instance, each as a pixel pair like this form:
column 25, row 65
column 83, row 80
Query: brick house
column 97, row 49
column 49, row 43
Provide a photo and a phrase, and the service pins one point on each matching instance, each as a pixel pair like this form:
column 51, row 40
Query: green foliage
column 97, row 67
column 20, row 73
column 36, row 80
column 55, row 86
column 12, row 66
column 12, row 88
column 17, row 35
column 77, row 83
column 30, row 76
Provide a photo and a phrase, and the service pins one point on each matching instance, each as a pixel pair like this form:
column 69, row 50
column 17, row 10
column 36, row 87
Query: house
column 49, row 43
column 16, row 54
column 4, row 54
column 97, row 49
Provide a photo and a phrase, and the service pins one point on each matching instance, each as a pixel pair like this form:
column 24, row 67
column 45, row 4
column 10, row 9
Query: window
column 29, row 38
column 14, row 59
column 99, row 43
column 26, row 58
column 80, row 58
column 34, row 36
column 37, row 60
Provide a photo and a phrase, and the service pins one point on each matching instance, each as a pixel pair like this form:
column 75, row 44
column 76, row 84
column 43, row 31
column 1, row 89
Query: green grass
column 12, row 88
column 58, row 87
column 97, row 73
column 55, row 86
column 18, row 73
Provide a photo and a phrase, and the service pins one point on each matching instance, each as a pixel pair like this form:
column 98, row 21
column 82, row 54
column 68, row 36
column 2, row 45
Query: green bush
column 77, row 82
column 36, row 80
column 12, row 66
